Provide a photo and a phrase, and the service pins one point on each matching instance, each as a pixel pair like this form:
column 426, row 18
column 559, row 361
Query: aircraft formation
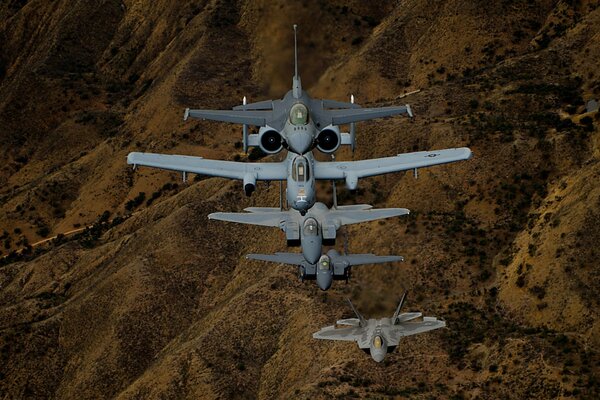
column 301, row 125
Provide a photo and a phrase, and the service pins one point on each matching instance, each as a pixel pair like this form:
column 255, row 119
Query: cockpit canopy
column 300, row 170
column 324, row 263
column 311, row 227
column 377, row 342
column 299, row 114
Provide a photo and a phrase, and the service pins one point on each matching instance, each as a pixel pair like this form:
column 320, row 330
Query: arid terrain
column 156, row 301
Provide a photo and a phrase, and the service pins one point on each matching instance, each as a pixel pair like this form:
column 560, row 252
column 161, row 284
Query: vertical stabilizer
column 397, row 313
column 363, row 321
column 296, row 84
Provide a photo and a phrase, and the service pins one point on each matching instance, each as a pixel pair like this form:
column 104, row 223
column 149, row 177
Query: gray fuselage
column 300, row 192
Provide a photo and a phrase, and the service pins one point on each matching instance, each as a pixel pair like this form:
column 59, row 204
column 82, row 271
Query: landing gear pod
column 249, row 184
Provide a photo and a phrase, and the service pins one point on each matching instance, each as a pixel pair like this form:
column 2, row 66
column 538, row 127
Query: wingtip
column 186, row 114
column 130, row 158
column 470, row 153
column 409, row 111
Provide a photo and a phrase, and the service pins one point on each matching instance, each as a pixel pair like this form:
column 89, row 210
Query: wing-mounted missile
column 245, row 129
column 352, row 129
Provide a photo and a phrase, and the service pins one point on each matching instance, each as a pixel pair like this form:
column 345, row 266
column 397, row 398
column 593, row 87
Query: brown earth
column 163, row 304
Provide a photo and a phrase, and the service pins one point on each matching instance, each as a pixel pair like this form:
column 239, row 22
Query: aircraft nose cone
column 378, row 356
column 300, row 142
column 311, row 252
column 324, row 280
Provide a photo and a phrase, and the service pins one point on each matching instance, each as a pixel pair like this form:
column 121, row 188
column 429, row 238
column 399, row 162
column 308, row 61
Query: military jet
column 310, row 231
column 300, row 171
column 379, row 336
column 297, row 122
column 330, row 267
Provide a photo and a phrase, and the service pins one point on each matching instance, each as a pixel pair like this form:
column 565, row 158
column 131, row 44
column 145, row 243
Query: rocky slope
column 162, row 304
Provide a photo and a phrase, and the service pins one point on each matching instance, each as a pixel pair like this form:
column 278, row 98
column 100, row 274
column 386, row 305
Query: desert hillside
column 156, row 301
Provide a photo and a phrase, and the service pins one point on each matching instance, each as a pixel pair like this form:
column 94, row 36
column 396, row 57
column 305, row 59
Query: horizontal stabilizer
column 414, row 328
column 350, row 216
column 282, row 258
column 404, row 317
column 262, row 209
column 362, row 259
column 353, row 207
column 349, row 322
column 274, row 219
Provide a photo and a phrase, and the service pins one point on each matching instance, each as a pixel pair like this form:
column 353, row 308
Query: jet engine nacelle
column 329, row 139
column 269, row 140
column 249, row 183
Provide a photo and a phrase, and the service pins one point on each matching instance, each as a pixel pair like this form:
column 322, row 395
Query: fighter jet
column 330, row 267
column 379, row 336
column 297, row 122
column 300, row 171
column 318, row 227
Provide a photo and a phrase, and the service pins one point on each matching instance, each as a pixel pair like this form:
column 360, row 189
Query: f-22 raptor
column 379, row 336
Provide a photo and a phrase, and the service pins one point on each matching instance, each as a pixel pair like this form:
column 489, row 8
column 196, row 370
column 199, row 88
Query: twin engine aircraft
column 311, row 231
column 329, row 267
column 300, row 171
column 379, row 336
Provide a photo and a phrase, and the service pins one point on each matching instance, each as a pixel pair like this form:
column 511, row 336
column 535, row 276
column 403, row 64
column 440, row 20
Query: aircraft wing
column 275, row 219
column 360, row 259
column 353, row 334
column 282, row 258
column 249, row 117
column 259, row 105
column 349, row 115
column 199, row 165
column 351, row 170
column 350, row 216
column 338, row 104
